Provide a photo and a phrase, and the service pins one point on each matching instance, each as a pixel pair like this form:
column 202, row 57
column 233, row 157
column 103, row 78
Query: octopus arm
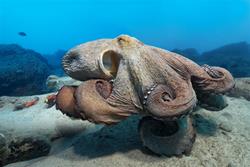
column 92, row 101
column 166, row 102
column 168, row 137
column 204, row 78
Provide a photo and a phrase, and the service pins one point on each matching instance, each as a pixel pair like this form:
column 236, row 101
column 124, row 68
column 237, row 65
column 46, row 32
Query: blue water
column 61, row 24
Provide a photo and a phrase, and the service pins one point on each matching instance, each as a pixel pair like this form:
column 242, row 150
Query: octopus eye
column 109, row 63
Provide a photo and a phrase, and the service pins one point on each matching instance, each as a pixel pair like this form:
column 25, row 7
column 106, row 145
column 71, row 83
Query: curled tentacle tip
column 65, row 101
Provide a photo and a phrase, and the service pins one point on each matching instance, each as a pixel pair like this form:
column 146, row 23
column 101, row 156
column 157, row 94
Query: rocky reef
column 241, row 89
column 22, row 71
column 54, row 60
column 234, row 57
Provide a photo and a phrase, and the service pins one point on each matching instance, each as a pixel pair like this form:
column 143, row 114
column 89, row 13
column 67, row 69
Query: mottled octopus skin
column 145, row 80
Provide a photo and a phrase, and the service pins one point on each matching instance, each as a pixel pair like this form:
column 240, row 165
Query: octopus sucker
column 124, row 76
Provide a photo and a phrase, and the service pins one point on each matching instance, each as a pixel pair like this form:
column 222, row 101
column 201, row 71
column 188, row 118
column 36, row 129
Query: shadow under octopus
column 123, row 76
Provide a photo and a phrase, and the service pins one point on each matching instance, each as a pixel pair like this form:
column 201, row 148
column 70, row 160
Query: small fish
column 50, row 100
column 31, row 102
column 23, row 34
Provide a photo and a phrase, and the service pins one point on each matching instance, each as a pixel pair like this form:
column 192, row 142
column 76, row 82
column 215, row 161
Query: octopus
column 123, row 76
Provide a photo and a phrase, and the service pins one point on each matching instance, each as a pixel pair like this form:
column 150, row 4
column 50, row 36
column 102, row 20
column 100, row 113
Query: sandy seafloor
column 223, row 139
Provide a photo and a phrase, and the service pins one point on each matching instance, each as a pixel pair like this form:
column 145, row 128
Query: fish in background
column 23, row 34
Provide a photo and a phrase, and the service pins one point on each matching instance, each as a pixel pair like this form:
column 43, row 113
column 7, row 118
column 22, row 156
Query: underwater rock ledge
column 22, row 71
column 241, row 89
column 29, row 132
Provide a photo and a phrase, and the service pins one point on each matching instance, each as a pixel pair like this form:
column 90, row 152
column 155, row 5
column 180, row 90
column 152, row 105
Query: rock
column 24, row 149
column 120, row 145
column 25, row 104
column 28, row 133
column 2, row 140
column 1, row 103
column 3, row 149
column 241, row 89
column 52, row 82
column 19, row 106
column 204, row 124
column 55, row 83
column 54, row 61
column 22, row 71
column 234, row 57
column 212, row 102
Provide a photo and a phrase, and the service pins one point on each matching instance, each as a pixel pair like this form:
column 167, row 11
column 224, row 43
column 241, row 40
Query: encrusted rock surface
column 29, row 133
column 23, row 148
column 55, row 83
column 22, row 71
column 241, row 89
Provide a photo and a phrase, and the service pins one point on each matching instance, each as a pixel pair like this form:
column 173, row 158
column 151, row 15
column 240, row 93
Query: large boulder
column 55, row 83
column 29, row 132
column 241, row 89
column 20, row 149
column 22, row 71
